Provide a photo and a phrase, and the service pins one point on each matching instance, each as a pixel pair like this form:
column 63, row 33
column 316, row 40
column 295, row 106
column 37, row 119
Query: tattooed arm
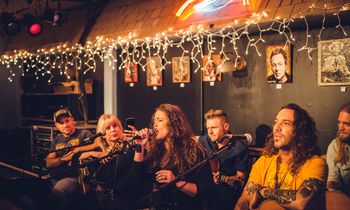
column 248, row 197
column 254, row 194
column 292, row 199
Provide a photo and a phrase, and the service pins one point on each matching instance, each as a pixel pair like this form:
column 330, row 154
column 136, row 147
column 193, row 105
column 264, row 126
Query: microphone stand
column 39, row 155
column 57, row 150
column 112, row 155
column 211, row 156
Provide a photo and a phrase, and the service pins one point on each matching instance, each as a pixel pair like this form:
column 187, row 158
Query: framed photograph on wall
column 181, row 69
column 278, row 64
column 154, row 71
column 210, row 68
column 130, row 72
column 334, row 62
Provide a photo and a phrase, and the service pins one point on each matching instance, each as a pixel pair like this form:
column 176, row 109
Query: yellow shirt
column 264, row 172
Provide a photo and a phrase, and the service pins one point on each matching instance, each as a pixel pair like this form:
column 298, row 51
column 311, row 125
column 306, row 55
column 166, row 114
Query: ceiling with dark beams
column 87, row 19
column 36, row 7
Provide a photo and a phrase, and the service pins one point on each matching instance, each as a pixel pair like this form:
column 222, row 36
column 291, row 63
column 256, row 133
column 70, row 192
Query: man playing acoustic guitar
column 290, row 173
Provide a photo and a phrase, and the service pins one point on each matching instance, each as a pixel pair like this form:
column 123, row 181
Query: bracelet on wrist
column 180, row 184
column 259, row 191
column 139, row 148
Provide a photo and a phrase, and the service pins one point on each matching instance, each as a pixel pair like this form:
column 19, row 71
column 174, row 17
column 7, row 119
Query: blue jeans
column 65, row 187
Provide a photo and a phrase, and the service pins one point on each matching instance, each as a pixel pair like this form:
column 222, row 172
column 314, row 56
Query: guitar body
column 83, row 175
column 270, row 205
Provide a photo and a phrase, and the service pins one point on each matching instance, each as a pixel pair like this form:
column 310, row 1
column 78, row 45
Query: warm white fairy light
column 61, row 58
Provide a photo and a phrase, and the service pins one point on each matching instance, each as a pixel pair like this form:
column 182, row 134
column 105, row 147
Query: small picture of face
column 130, row 72
column 154, row 71
column 181, row 69
column 278, row 64
column 210, row 68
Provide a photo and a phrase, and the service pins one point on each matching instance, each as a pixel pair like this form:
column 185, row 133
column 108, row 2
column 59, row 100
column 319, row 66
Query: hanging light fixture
column 56, row 17
column 35, row 27
column 10, row 24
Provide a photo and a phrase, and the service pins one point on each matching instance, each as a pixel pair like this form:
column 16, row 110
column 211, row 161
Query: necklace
column 283, row 175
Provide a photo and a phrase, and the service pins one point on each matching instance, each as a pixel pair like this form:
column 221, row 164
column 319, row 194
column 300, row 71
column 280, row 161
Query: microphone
column 137, row 137
column 132, row 141
column 93, row 137
column 246, row 138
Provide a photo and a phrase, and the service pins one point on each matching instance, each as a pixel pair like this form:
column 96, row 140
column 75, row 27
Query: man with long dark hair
column 290, row 173
column 338, row 154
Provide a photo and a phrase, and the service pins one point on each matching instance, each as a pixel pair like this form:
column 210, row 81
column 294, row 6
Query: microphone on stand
column 246, row 138
column 90, row 139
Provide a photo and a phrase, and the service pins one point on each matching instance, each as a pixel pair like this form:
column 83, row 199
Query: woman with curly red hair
column 171, row 151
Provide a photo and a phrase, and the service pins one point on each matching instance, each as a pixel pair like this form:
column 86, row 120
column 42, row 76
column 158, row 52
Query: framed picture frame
column 279, row 64
column 181, row 69
column 131, row 72
column 334, row 62
column 154, row 71
column 210, row 68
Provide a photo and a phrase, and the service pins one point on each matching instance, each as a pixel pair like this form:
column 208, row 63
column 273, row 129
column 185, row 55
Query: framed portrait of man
column 181, row 69
column 210, row 68
column 154, row 71
column 334, row 62
column 130, row 72
column 278, row 64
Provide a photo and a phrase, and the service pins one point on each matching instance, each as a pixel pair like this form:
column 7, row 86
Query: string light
column 190, row 42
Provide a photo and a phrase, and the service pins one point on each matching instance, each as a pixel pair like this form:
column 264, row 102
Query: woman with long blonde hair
column 112, row 178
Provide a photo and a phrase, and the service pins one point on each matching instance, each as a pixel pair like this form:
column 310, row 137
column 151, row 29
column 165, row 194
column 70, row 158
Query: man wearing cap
column 65, row 178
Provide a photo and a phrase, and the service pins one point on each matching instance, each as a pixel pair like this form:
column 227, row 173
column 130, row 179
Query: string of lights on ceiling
column 48, row 62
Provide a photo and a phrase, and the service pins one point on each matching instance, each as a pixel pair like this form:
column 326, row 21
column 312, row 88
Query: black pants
column 225, row 198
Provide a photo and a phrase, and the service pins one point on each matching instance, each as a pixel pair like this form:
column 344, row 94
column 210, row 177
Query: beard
column 285, row 147
column 345, row 139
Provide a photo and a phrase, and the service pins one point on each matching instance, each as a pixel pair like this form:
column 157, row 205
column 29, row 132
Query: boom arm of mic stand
column 111, row 155
column 211, row 156
column 57, row 150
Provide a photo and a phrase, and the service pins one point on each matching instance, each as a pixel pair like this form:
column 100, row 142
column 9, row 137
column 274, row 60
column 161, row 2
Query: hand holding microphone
column 140, row 140
column 142, row 136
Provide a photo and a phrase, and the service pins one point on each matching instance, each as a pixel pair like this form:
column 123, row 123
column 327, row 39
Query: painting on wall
column 181, row 69
column 334, row 62
column 154, row 71
column 130, row 73
column 278, row 64
column 210, row 68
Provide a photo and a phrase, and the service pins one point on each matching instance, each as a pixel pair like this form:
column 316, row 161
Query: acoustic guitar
column 82, row 178
column 270, row 205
